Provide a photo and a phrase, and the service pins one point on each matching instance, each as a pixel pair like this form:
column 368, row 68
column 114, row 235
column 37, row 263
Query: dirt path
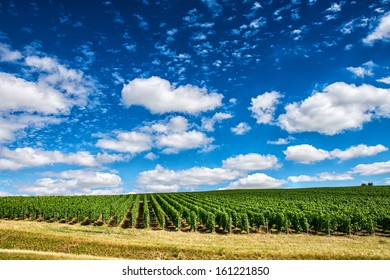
column 140, row 216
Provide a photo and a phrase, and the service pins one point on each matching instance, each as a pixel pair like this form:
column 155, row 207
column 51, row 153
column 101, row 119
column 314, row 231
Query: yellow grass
column 33, row 240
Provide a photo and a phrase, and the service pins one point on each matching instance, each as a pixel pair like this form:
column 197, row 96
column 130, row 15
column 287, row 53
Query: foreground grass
column 33, row 240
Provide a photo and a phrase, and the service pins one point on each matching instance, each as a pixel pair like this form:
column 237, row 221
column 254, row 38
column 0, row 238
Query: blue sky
column 106, row 97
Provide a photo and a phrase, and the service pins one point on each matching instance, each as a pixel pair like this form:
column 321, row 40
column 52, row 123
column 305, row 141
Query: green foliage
column 158, row 211
column 243, row 222
column 146, row 211
column 328, row 210
column 193, row 220
column 210, row 221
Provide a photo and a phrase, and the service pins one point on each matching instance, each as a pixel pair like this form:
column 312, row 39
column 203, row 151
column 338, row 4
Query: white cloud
column 360, row 71
column 349, row 27
column 321, row 177
column 281, row 141
column 76, row 182
column 339, row 107
column 7, row 55
column 165, row 180
column 385, row 80
column 162, row 179
column 29, row 157
column 173, row 125
column 335, row 8
column 159, row 188
column 348, row 47
column 72, row 83
column 259, row 22
column 302, row 178
column 334, row 176
column 251, row 162
column 171, row 135
column 109, row 158
column 256, row 181
column 11, row 125
column 358, row 151
column 208, row 123
column 51, row 90
column 372, row 168
column 308, row 154
column 381, row 32
column 264, row 106
column 305, row 154
column 233, row 101
column 131, row 142
column 151, row 156
column 364, row 70
column 159, row 96
column 92, row 179
column 17, row 94
column 175, row 142
column 241, row 128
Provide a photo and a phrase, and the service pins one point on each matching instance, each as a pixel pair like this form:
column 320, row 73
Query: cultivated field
column 326, row 223
column 32, row 240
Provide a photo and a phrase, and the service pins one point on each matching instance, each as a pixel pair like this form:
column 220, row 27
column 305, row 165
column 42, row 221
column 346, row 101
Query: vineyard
column 333, row 211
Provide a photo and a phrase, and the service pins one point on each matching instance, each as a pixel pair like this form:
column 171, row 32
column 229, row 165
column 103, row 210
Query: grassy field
column 34, row 240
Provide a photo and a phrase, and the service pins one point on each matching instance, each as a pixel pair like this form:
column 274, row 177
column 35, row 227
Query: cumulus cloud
column 49, row 92
column 159, row 96
column 256, row 181
column 358, row 151
column 385, row 80
column 172, row 125
column 208, row 123
column 308, row 154
column 281, row 141
column 364, row 70
column 71, row 82
column 334, row 8
column 241, row 128
column 20, row 95
column 305, row 154
column 8, row 55
column 339, row 107
column 173, row 143
column 381, row 32
column 174, row 135
column 76, row 182
column 162, row 179
column 171, row 135
column 264, row 105
column 29, row 157
column 151, row 156
column 372, row 168
column 321, row 177
column 131, row 142
column 251, row 162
